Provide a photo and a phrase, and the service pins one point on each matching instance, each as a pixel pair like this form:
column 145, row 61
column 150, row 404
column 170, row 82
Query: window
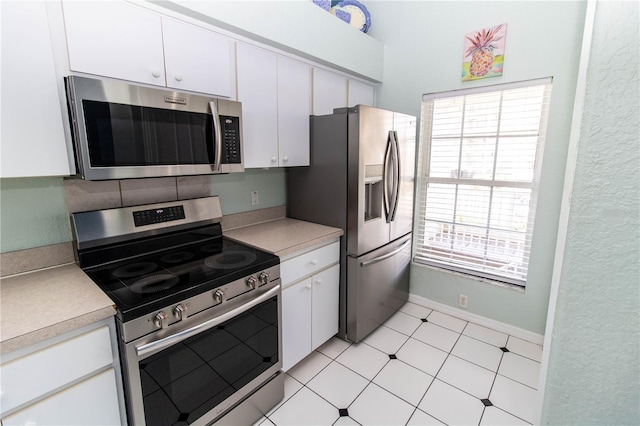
column 478, row 172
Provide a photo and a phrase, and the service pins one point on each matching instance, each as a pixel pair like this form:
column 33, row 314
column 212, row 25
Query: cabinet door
column 114, row 39
column 258, row 90
column 196, row 59
column 294, row 99
column 360, row 93
column 296, row 323
column 30, row 95
column 91, row 402
column 325, row 302
column 329, row 91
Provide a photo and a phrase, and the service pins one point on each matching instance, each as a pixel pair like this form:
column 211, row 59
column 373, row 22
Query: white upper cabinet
column 332, row 90
column 32, row 133
column 123, row 41
column 360, row 93
column 275, row 93
column 114, row 39
column 329, row 91
column 258, row 90
column 294, row 102
column 197, row 59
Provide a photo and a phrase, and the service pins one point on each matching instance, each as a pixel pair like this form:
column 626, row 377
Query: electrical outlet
column 255, row 199
column 463, row 301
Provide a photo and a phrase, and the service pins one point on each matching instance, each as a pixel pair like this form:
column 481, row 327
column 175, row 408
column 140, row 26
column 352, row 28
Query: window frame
column 425, row 180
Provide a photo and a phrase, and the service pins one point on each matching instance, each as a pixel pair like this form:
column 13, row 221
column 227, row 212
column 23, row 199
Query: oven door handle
column 158, row 345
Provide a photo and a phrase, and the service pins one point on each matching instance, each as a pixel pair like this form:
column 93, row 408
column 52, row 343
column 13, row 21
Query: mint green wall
column 594, row 361
column 423, row 54
column 33, row 211
column 235, row 189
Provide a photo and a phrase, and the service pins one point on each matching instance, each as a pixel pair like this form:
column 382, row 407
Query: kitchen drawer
column 47, row 370
column 308, row 263
column 91, row 402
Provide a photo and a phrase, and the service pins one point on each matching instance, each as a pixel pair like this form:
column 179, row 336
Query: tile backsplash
column 35, row 211
column 85, row 195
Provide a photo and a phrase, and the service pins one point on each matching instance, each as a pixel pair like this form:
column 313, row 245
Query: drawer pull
column 314, row 262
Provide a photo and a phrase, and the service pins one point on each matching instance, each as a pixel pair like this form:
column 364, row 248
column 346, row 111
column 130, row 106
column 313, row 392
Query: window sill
column 470, row 277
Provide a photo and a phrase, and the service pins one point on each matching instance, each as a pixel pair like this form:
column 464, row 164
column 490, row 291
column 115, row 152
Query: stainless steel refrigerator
column 361, row 179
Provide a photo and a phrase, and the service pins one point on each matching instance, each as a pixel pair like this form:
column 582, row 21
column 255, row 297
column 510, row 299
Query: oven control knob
column 252, row 282
column 264, row 278
column 180, row 312
column 219, row 296
column 161, row 320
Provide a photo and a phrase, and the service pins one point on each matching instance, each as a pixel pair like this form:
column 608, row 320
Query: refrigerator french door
column 361, row 180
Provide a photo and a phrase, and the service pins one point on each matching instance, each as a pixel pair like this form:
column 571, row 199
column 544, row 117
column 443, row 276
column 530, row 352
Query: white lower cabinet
column 90, row 402
column 72, row 379
column 310, row 303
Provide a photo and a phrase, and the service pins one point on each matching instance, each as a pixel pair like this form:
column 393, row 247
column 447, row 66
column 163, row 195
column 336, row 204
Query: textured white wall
column 594, row 362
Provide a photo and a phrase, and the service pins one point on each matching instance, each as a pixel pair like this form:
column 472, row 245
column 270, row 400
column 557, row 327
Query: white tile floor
column 421, row 367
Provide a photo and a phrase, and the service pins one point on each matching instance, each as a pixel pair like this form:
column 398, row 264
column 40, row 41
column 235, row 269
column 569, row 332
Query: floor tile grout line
column 370, row 382
column 494, row 382
column 438, row 372
column 516, row 381
column 410, row 336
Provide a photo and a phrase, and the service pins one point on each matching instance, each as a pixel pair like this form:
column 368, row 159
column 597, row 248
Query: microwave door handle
column 217, row 158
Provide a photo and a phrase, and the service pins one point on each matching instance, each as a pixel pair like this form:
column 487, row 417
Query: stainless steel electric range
column 198, row 315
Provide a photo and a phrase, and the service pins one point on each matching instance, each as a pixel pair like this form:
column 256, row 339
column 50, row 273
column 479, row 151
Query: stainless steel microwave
column 123, row 131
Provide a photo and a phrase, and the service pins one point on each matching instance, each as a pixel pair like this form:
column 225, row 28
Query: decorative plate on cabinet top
column 360, row 17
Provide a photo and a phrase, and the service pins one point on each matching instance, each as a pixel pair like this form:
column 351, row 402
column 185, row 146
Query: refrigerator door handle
column 386, row 194
column 396, row 175
column 385, row 256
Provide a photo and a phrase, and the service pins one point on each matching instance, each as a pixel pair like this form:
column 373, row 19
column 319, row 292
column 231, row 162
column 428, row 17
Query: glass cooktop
column 144, row 283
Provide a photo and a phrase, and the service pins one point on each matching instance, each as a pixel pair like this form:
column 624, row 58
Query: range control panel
column 149, row 217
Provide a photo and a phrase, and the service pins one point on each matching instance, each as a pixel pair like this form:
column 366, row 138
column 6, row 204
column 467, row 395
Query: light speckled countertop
column 285, row 236
column 38, row 305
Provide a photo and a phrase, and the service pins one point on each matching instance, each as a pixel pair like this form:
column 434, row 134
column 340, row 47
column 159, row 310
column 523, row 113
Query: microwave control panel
column 230, row 139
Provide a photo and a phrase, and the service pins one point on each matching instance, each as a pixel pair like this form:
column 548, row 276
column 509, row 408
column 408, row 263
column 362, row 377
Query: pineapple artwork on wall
column 484, row 53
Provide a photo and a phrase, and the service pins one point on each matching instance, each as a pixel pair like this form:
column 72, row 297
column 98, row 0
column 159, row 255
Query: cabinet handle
column 314, row 262
column 274, row 159
column 307, row 287
column 156, row 74
column 319, row 281
column 178, row 77
column 285, row 159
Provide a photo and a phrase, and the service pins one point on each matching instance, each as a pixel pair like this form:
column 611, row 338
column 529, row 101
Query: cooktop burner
column 135, row 269
column 177, row 257
column 230, row 259
column 143, row 283
column 154, row 283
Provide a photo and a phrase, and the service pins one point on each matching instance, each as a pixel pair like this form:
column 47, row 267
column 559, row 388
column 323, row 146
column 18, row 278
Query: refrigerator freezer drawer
column 378, row 287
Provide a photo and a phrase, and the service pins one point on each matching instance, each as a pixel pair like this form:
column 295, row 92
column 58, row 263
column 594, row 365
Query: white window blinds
column 478, row 168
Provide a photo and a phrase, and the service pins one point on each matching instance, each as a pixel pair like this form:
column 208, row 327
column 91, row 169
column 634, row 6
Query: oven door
column 193, row 376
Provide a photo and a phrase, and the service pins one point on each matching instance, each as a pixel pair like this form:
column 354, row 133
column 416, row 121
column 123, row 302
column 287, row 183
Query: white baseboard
column 511, row 330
